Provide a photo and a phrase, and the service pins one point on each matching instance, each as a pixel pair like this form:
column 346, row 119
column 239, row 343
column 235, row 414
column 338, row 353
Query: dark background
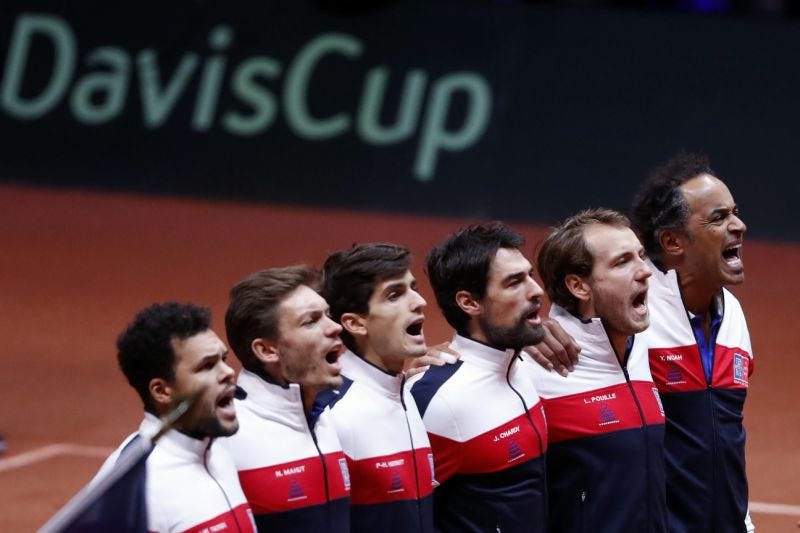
column 584, row 102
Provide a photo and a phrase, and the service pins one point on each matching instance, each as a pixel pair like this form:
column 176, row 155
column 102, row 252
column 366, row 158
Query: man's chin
column 734, row 279
column 537, row 334
column 416, row 353
column 213, row 428
column 516, row 338
column 227, row 430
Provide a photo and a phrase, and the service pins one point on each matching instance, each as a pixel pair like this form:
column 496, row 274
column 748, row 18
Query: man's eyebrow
column 393, row 286
column 514, row 275
column 311, row 311
column 210, row 357
column 723, row 210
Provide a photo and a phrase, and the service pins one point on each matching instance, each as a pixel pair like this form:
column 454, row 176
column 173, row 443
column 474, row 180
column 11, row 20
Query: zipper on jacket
column 324, row 471
column 222, row 490
column 413, row 454
column 535, row 429
column 624, row 366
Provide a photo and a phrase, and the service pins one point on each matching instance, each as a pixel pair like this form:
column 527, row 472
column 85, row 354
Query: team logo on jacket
column 396, row 483
column 345, row 473
column 296, row 491
column 674, row 374
column 514, row 451
column 607, row 415
column 741, row 365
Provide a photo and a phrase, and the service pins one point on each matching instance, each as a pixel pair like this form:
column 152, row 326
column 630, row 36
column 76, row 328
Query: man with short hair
column 484, row 419
column 289, row 459
column 700, row 352
column 169, row 353
column 605, row 462
column 373, row 295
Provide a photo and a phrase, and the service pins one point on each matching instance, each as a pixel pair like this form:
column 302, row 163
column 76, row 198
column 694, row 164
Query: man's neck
column 308, row 394
column 385, row 363
column 697, row 297
column 620, row 344
column 477, row 335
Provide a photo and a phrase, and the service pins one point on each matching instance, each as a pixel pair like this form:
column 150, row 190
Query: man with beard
column 289, row 459
column 484, row 419
column 605, row 462
column 699, row 346
column 169, row 353
column 373, row 295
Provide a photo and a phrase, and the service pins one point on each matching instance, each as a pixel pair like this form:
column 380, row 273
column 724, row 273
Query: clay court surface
column 75, row 267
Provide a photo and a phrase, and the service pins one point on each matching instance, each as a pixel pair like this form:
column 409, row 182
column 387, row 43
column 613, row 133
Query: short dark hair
column 144, row 349
column 564, row 251
column 461, row 263
column 349, row 278
column 253, row 310
column 660, row 204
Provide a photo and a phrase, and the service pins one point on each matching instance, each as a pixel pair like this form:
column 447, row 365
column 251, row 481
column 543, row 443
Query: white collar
column 668, row 281
column 362, row 371
column 483, row 355
column 175, row 442
column 272, row 401
column 591, row 335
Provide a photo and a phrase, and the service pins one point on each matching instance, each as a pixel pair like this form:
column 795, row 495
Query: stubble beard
column 211, row 426
column 516, row 337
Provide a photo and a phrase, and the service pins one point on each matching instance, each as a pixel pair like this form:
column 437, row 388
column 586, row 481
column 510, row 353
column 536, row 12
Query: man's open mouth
column 533, row 314
column 416, row 327
column 225, row 400
column 639, row 301
column 732, row 254
column 332, row 356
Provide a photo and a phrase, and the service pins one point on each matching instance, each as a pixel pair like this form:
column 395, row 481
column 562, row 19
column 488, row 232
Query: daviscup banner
column 499, row 110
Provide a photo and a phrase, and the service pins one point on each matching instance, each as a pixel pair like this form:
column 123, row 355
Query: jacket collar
column 175, row 442
column 362, row 371
column 482, row 355
column 590, row 335
column 668, row 283
column 272, row 401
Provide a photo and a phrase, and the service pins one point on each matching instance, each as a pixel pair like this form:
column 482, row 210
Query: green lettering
column 244, row 86
column 368, row 121
column 211, row 79
column 63, row 40
column 112, row 85
column 157, row 102
column 435, row 136
column 295, row 90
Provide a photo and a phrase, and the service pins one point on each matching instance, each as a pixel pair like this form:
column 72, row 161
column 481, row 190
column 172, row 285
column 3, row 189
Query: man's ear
column 468, row 303
column 160, row 391
column 265, row 350
column 578, row 286
column 354, row 324
column 672, row 242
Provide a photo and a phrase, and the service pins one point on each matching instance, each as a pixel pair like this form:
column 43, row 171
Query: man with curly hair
column 699, row 345
column 169, row 353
